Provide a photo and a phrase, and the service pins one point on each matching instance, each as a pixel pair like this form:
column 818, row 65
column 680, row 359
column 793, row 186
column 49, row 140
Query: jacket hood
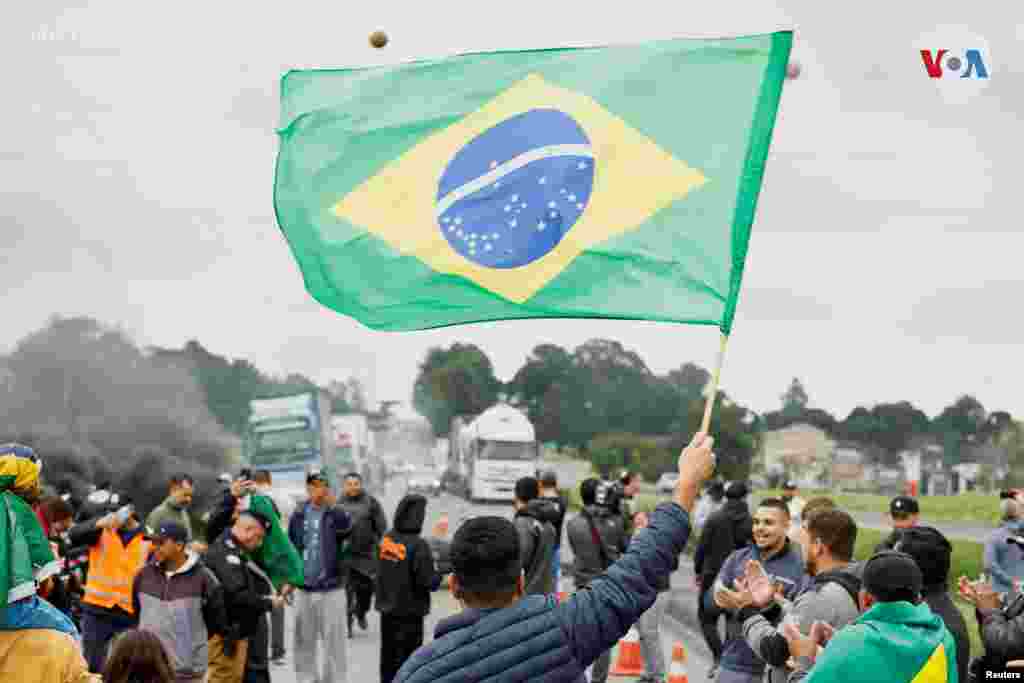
column 543, row 510
column 191, row 560
column 410, row 514
column 919, row 615
column 736, row 510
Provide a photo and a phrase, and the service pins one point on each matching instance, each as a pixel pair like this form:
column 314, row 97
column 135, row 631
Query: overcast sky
column 886, row 261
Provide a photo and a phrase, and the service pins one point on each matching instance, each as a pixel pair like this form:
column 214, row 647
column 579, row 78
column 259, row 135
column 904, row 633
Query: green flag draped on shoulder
column 611, row 182
column 276, row 556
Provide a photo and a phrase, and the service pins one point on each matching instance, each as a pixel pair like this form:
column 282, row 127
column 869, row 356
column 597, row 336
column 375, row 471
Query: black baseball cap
column 893, row 576
column 316, row 476
column 736, row 490
column 904, row 505
column 171, row 531
column 485, row 554
column 549, row 478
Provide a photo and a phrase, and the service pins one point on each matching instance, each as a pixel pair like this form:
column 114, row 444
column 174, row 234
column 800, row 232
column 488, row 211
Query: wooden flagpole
column 705, row 424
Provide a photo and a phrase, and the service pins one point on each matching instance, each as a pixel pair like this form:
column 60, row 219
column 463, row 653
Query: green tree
column 459, row 380
column 795, row 399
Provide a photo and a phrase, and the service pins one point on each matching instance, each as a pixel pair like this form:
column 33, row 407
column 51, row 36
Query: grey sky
column 886, row 262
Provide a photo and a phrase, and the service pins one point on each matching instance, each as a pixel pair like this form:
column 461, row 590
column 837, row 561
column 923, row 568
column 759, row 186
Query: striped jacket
column 183, row 608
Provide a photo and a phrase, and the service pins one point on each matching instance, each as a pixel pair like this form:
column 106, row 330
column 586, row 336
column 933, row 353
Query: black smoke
column 97, row 408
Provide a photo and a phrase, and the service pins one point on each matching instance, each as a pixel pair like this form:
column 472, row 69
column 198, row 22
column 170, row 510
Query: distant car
column 667, row 483
column 425, row 481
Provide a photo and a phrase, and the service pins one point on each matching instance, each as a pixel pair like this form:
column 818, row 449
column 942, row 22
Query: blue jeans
column 34, row 612
column 556, row 564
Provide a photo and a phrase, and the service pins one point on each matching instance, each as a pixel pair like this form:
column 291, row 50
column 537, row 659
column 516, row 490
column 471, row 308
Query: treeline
column 100, row 408
column 602, row 401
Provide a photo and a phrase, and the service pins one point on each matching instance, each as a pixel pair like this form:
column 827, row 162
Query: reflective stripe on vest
column 112, row 568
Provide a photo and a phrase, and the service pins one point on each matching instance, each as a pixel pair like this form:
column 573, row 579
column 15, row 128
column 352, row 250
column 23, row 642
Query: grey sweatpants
column 649, row 628
column 321, row 624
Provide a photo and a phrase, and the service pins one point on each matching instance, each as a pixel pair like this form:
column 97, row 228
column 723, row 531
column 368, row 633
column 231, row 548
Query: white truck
column 489, row 453
column 353, row 443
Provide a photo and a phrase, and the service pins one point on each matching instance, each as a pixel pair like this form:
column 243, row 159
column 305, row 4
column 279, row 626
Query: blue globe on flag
column 511, row 194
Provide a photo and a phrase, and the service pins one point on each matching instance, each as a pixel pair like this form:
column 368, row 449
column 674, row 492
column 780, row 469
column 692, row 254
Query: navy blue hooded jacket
column 337, row 526
column 539, row 639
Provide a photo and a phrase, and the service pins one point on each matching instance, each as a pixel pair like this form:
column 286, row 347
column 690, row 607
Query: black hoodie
column 406, row 573
column 727, row 530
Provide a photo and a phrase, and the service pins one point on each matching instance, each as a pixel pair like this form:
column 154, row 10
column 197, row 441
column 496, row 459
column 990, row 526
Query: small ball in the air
column 378, row 39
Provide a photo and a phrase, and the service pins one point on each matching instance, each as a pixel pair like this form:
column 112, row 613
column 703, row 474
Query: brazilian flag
column 608, row 182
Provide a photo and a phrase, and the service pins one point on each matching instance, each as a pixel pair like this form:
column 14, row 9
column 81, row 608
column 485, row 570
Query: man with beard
column 369, row 523
column 827, row 539
column 781, row 561
column 176, row 509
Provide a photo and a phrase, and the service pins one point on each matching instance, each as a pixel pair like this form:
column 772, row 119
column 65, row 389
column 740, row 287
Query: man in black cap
column 903, row 514
column 317, row 529
column 180, row 600
column 897, row 638
column 729, row 529
column 932, row 553
column 504, row 636
column 248, row 596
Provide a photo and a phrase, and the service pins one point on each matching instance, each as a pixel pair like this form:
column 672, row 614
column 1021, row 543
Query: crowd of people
column 96, row 593
column 797, row 606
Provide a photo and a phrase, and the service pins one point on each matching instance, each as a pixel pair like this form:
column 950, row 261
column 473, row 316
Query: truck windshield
column 508, row 450
column 282, row 446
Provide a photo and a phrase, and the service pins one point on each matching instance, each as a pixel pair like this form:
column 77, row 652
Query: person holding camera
column 1003, row 559
column 118, row 550
column 597, row 537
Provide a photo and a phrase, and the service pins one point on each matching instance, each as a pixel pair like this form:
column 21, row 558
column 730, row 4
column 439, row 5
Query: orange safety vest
column 112, row 569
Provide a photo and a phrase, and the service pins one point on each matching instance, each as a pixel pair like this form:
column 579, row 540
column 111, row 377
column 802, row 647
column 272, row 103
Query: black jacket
column 941, row 603
column 558, row 508
column 536, row 547
column 590, row 560
column 1002, row 634
column 727, row 530
column 336, row 528
column 247, row 589
column 368, row 526
column 406, row 573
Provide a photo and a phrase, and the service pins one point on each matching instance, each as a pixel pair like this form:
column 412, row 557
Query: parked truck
column 488, row 453
column 290, row 436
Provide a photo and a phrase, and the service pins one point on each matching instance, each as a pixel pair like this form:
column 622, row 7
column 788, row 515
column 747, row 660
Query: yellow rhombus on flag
column 607, row 182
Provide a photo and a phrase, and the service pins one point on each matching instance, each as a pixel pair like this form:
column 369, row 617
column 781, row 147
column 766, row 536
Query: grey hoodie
column 826, row 597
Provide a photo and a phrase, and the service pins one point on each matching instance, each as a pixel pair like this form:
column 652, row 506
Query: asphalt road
column 364, row 646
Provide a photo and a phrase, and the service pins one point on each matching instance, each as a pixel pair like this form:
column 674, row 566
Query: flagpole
column 706, row 422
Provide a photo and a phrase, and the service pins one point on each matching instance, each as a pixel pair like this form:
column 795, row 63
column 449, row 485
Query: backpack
column 848, row 581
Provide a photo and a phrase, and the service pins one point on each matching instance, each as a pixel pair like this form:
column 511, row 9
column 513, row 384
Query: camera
column 609, row 495
column 245, row 474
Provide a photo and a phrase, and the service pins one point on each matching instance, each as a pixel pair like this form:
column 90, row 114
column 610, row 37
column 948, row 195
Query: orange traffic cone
column 677, row 670
column 629, row 662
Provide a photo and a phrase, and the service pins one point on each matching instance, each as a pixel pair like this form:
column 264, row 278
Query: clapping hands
column 979, row 593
